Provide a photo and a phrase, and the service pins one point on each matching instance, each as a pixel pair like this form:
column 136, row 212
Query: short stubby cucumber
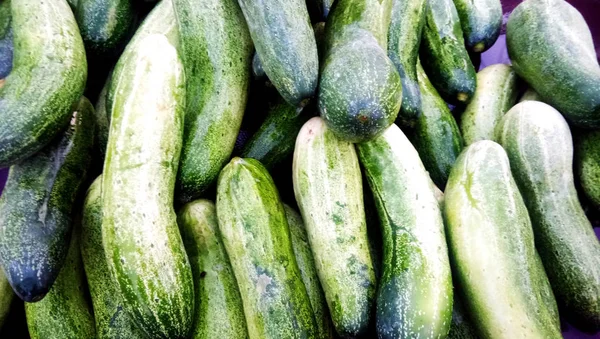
column 328, row 189
column 587, row 163
column 492, row 250
column 481, row 21
column 256, row 236
column 539, row 145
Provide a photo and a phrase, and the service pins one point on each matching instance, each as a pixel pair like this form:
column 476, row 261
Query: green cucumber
column 496, row 93
column 219, row 310
column 539, row 145
column 328, row 189
column 530, row 94
column 461, row 326
column 216, row 50
column 308, row 271
column 506, row 290
column 481, row 21
column 404, row 39
column 111, row 319
column 102, row 121
column 144, row 250
column 443, row 53
column 255, row 232
column 551, row 47
column 48, row 77
column 587, row 163
column 6, row 297
column 6, row 40
column 414, row 296
column 73, row 4
column 37, row 204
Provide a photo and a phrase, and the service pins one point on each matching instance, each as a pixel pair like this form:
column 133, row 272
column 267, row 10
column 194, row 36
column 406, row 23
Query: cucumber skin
column 530, row 94
column 36, row 207
column 102, row 121
column 6, row 40
column 255, row 232
column 6, row 298
column 496, row 93
column 539, row 145
column 571, row 81
column 443, row 53
column 461, row 326
column 487, row 222
column 328, row 189
column 587, row 163
column 37, row 96
column 481, row 21
column 219, row 310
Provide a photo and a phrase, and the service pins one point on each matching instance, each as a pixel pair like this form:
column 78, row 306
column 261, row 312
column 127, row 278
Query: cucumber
column 219, row 310
column 551, row 47
column 414, row 296
column 443, row 53
column 64, row 313
column 36, row 207
column 144, row 250
column 481, row 21
column 286, row 46
column 6, row 40
column 328, row 189
column 461, row 327
column 257, row 68
column 216, row 50
column 6, row 298
column 496, row 93
column 506, row 290
column 256, row 236
column 587, row 164
column 102, row 121
column 530, row 94
column 404, row 39
column 539, row 145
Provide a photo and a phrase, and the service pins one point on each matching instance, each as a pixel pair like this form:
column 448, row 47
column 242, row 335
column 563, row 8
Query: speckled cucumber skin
column 530, row 94
column 404, row 39
column 539, row 145
column 308, row 271
column 496, row 93
column 110, row 317
column 36, row 207
column 587, row 163
column 551, row 47
column 144, row 250
column 286, row 45
column 443, row 53
column 461, row 326
column 216, row 49
column 481, row 21
column 257, row 239
column 506, row 290
column 414, row 296
column 6, row 40
column 328, row 189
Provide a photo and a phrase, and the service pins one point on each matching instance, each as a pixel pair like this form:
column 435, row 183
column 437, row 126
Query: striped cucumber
column 6, row 40
column 539, row 145
column 506, row 290
column 328, row 189
column 587, row 163
column 256, row 236
column 481, row 21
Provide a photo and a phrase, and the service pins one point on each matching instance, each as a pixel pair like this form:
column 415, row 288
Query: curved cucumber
column 255, row 232
column 492, row 250
column 496, row 93
column 328, row 189
column 540, row 149
column 6, row 40
column 587, row 163
column 481, row 21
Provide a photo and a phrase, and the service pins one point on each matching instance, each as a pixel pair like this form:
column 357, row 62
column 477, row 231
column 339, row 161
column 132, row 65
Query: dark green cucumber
column 6, row 40
column 414, row 296
column 328, row 189
column 443, row 53
column 255, row 232
column 48, row 77
column 404, row 39
column 539, row 145
column 587, row 163
column 37, row 204
column 461, row 326
column 481, row 21
column 257, row 68
column 219, row 310
column 551, row 47
column 102, row 121
column 6, row 297
column 492, row 250
column 216, row 50
column 73, row 4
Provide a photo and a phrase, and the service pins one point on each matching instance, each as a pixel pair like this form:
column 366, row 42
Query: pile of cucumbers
column 298, row 169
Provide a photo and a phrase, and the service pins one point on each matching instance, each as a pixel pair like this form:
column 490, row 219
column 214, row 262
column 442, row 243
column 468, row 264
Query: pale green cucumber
column 530, row 94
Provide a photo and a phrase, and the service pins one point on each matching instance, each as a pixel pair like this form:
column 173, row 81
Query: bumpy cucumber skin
column 255, row 232
column 461, row 327
column 216, row 50
column 48, row 77
column 415, row 290
column 36, row 207
column 443, row 53
column 587, row 163
column 551, row 47
column 328, row 189
column 496, row 93
column 481, row 21
column 492, row 250
column 285, row 42
column 539, row 146
column 6, row 40
column 144, row 250
column 219, row 310
column 404, row 39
